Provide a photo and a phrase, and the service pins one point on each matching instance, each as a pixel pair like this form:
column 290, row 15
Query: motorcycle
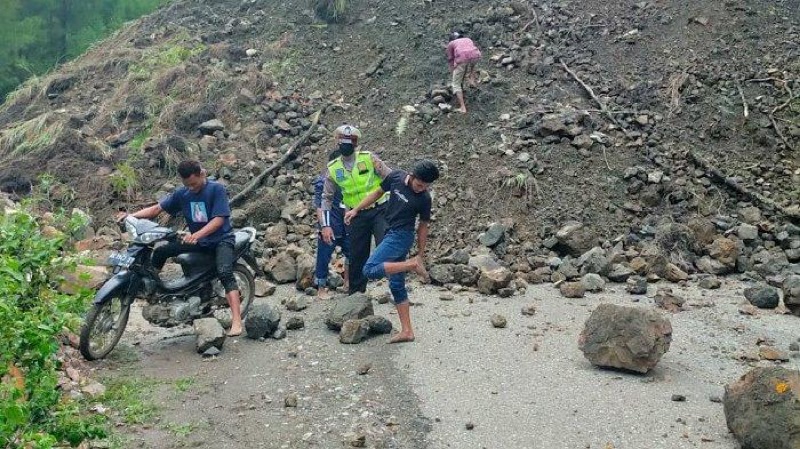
column 196, row 294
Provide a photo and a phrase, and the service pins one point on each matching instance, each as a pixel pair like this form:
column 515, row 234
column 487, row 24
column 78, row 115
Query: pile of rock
column 354, row 318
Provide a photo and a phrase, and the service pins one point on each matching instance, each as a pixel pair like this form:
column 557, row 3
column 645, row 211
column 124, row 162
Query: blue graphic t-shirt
column 200, row 208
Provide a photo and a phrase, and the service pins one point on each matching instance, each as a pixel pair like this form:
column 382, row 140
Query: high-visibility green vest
column 357, row 183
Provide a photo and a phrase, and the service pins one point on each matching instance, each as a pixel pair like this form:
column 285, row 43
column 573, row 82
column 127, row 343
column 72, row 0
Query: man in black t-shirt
column 408, row 199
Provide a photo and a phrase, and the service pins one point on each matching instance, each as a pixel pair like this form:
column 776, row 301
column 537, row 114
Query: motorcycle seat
column 195, row 259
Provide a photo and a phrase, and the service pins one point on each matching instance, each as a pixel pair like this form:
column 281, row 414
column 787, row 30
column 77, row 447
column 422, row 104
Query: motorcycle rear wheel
column 247, row 287
column 103, row 327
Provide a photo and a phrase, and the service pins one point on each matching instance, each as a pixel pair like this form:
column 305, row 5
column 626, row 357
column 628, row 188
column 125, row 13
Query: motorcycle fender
column 118, row 281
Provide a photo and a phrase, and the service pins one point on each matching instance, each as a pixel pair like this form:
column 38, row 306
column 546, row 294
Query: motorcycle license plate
column 120, row 260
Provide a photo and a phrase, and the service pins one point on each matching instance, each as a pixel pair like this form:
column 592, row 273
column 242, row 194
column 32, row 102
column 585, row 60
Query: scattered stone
column 498, row 321
column 353, row 331
column 678, row 398
column 529, row 310
column 791, row 293
column 211, row 126
column 673, row 273
column 747, row 232
column 637, row 285
column 378, row 324
column 469, row 425
column 761, row 408
column 294, row 323
column 492, row 280
column 725, row 250
column 224, row 317
column 572, row 290
column 209, row 334
column 794, row 346
column 593, row 282
column 619, row 273
column 494, row 235
column 290, row 401
column 264, row 288
column 297, row 303
column 346, row 308
column 364, row 369
column 212, row 352
column 669, row 301
column 261, row 321
column 630, row 338
column 279, row 333
column 710, row 282
column 356, row 440
column 771, row 353
column 762, row 296
column 94, row 389
column 576, row 238
column 447, row 297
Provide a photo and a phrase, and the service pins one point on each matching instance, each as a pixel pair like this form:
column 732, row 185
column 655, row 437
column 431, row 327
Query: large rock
column 668, row 300
column 673, row 273
column 494, row 235
column 575, row 238
column 282, row 268
column 593, row 282
column 443, row 273
column 572, row 290
column 708, row 265
column 762, row 296
column 762, row 409
column 703, row 230
column 628, row 338
column 306, row 265
column 209, row 334
column 791, row 292
column 262, row 320
column 620, row 273
column 747, row 232
column 211, row 126
column 353, row 331
column 83, row 277
column 724, row 250
column 594, row 261
column 378, row 324
column 492, row 280
column 345, row 308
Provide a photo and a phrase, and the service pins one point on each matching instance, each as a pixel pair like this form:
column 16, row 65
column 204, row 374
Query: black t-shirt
column 404, row 204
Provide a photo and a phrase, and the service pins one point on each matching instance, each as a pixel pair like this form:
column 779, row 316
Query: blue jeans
column 324, row 254
column 393, row 248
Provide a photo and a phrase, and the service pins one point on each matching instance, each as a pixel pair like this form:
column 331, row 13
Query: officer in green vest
column 355, row 174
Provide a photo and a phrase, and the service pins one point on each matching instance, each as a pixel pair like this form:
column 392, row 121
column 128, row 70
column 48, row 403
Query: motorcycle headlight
column 150, row 237
column 130, row 229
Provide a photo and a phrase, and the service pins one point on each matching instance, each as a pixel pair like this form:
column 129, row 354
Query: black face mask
column 347, row 149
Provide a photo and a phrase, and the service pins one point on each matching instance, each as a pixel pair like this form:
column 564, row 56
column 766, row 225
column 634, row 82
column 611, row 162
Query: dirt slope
column 110, row 127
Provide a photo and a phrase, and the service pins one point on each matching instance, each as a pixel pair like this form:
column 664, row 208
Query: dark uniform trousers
column 368, row 224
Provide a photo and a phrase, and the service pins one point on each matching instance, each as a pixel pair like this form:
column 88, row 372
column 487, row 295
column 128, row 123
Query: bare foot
column 462, row 110
column 419, row 268
column 236, row 330
column 402, row 337
column 323, row 294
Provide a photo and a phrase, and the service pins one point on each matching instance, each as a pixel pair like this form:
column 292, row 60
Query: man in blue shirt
column 409, row 199
column 204, row 205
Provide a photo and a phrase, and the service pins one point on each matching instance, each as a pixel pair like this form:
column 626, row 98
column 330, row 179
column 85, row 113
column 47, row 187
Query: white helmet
column 347, row 134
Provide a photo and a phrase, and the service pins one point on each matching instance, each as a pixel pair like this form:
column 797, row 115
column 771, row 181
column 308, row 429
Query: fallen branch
column 603, row 108
column 256, row 182
column 778, row 108
column 744, row 101
column 717, row 175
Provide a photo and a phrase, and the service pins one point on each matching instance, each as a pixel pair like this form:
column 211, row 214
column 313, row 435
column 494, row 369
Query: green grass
column 124, row 180
column 26, row 137
column 183, row 385
column 138, row 141
column 180, row 430
column 131, row 399
column 170, row 55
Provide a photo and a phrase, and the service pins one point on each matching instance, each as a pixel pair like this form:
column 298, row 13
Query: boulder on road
column 629, row 338
column 492, row 280
column 762, row 296
column 209, row 334
column 350, row 307
column 261, row 321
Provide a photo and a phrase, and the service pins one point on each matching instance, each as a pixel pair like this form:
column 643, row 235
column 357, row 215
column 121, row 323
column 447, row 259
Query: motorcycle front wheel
column 103, row 327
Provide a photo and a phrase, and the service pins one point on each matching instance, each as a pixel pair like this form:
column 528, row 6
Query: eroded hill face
column 584, row 112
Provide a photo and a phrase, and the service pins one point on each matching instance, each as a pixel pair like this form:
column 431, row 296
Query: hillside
column 535, row 149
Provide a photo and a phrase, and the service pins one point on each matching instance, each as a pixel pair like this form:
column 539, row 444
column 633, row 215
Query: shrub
column 331, row 10
column 33, row 315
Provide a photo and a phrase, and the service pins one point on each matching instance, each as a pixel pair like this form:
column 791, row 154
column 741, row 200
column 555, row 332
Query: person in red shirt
column 462, row 55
